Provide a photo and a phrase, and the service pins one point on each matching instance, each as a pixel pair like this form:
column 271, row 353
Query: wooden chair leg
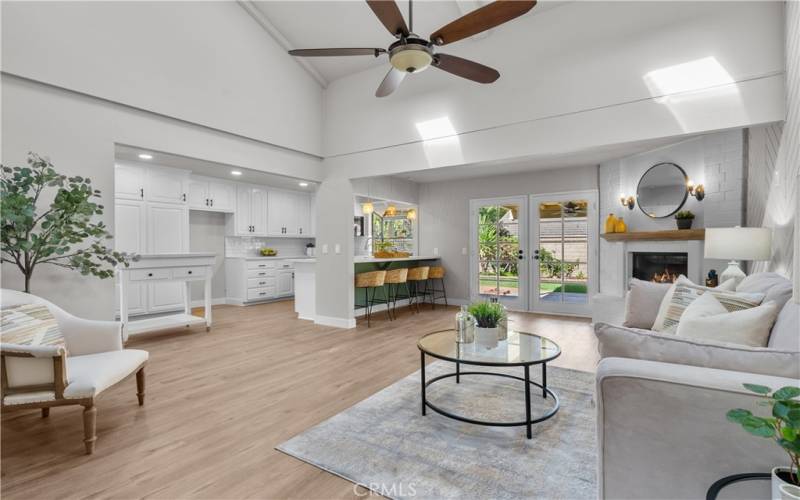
column 140, row 386
column 45, row 412
column 89, row 426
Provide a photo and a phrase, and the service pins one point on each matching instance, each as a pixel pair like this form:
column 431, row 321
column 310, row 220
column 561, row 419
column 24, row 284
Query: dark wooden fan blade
column 390, row 82
column 465, row 68
column 487, row 17
column 389, row 14
column 336, row 52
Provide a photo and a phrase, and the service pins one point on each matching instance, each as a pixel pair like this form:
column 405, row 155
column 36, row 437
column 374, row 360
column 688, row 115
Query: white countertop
column 366, row 259
column 176, row 255
column 277, row 257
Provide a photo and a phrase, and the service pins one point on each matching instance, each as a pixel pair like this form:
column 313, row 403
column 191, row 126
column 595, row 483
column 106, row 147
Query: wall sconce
column 411, row 214
column 367, row 208
column 627, row 201
column 697, row 191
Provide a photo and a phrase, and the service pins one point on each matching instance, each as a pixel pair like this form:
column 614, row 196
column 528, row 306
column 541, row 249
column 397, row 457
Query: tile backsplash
column 238, row 246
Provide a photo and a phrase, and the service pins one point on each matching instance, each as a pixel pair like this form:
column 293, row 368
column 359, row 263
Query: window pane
column 488, row 278
column 509, row 278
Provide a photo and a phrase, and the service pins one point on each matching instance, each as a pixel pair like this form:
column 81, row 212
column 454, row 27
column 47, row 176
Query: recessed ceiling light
column 236, row 172
column 303, row 184
column 145, row 156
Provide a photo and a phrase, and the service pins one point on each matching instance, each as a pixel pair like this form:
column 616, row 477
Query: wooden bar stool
column 436, row 273
column 372, row 281
column 395, row 278
column 417, row 279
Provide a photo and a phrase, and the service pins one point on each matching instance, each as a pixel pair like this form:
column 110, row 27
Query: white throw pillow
column 642, row 303
column 669, row 314
column 707, row 319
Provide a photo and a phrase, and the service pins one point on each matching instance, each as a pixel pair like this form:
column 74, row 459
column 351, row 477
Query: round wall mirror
column 662, row 190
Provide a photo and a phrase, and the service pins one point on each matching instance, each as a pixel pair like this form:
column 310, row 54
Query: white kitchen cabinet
column 167, row 232
column 284, row 283
column 250, row 218
column 129, row 181
column 212, row 195
column 129, row 236
column 166, row 185
column 289, row 213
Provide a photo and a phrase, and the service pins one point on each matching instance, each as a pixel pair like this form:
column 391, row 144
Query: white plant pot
column 487, row 337
column 790, row 492
column 777, row 482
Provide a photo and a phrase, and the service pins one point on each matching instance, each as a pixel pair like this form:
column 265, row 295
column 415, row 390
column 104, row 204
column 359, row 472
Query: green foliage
column 487, row 314
column 552, row 267
column 782, row 425
column 64, row 234
column 684, row 214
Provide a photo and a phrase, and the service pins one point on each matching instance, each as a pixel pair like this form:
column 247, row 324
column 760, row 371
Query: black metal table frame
column 528, row 422
column 718, row 485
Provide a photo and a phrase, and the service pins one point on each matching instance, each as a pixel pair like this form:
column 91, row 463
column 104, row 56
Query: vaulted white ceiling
column 320, row 24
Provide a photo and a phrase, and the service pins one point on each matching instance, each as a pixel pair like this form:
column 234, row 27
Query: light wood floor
column 218, row 403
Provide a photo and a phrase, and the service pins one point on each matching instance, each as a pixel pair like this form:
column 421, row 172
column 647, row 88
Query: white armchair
column 46, row 376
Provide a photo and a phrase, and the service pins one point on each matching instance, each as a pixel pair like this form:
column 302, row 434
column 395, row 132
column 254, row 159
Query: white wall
column 774, row 174
column 78, row 133
column 444, row 212
column 572, row 78
column 387, row 188
column 714, row 160
column 205, row 62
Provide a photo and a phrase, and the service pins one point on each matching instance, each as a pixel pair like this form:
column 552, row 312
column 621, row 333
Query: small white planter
column 487, row 337
column 777, row 482
column 790, row 492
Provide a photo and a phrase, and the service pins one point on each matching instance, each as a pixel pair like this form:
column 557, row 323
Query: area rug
column 384, row 443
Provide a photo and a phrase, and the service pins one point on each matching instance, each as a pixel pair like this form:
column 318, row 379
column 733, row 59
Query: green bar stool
column 372, row 281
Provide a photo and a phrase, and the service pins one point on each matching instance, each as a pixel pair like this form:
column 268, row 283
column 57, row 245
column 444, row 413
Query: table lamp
column 737, row 243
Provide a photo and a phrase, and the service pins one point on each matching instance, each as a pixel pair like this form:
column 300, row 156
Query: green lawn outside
column 568, row 287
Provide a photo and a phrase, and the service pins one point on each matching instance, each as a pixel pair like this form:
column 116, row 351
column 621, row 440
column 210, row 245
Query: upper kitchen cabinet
column 289, row 213
column 156, row 183
column 211, row 194
column 250, row 214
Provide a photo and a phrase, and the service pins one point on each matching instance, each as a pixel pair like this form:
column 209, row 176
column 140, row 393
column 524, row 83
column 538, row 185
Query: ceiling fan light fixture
column 411, row 58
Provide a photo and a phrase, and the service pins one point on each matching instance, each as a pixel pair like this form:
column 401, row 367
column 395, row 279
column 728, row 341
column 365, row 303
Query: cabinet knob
column 149, row 275
column 190, row 272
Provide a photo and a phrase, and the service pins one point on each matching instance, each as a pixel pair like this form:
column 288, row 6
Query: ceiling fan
column 412, row 53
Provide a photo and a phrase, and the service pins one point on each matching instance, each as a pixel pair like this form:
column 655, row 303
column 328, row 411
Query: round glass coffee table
column 519, row 349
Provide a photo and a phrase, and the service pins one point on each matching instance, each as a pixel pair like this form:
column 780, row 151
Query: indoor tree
column 65, row 233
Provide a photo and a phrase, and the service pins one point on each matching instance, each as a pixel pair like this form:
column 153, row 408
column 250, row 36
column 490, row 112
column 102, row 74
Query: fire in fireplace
column 659, row 267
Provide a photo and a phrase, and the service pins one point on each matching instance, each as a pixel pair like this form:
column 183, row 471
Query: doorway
column 564, row 231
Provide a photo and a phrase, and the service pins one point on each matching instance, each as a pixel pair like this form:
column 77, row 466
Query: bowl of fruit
column 268, row 252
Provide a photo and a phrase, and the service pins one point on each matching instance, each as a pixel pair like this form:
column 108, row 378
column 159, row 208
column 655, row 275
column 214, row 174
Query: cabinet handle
column 206, row 201
column 262, row 293
column 184, row 196
column 189, row 272
column 262, row 265
column 149, row 275
column 212, row 202
column 262, row 282
column 141, row 192
column 301, row 230
column 262, row 274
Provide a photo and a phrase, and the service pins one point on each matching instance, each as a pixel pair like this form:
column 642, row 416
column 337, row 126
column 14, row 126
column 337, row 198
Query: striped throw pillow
column 29, row 324
column 686, row 292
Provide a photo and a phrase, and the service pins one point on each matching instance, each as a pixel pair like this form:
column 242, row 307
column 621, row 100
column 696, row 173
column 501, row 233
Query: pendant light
column 391, row 210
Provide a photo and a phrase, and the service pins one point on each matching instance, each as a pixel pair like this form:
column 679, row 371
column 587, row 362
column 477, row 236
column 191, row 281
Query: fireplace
column 660, row 267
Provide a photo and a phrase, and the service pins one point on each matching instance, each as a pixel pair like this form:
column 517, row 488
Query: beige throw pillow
column 643, row 302
column 679, row 296
column 707, row 319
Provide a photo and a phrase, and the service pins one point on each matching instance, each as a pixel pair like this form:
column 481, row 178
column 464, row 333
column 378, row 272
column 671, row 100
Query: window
column 393, row 233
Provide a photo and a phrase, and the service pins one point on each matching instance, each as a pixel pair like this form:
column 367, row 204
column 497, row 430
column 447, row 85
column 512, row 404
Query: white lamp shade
column 738, row 243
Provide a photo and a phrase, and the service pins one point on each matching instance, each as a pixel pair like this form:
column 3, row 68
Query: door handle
column 521, row 254
column 536, row 254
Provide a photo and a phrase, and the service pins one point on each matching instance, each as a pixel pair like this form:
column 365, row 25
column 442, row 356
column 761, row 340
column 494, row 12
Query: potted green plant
column 488, row 316
column 63, row 233
column 782, row 425
column 684, row 218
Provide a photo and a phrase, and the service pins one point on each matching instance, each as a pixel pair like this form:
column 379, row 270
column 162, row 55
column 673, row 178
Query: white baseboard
column 214, row 302
column 336, row 322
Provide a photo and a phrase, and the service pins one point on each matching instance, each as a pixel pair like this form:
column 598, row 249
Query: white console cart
column 159, row 268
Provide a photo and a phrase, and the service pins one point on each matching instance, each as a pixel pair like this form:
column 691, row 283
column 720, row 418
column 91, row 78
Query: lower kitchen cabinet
column 249, row 280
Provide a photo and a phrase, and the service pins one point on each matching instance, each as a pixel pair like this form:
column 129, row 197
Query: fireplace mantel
column 672, row 235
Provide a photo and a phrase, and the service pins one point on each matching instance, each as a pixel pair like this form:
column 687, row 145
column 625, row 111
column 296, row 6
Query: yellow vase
column 619, row 226
column 611, row 223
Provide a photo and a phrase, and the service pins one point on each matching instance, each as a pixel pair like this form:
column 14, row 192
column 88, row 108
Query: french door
column 498, row 250
column 564, row 230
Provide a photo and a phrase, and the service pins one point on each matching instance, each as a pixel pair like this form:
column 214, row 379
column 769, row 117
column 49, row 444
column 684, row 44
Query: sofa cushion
column 91, row 374
column 643, row 302
column 621, row 342
column 775, row 287
column 786, row 331
column 683, row 292
column 707, row 319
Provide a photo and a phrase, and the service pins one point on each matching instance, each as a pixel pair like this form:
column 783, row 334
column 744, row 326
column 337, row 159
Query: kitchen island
column 305, row 277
